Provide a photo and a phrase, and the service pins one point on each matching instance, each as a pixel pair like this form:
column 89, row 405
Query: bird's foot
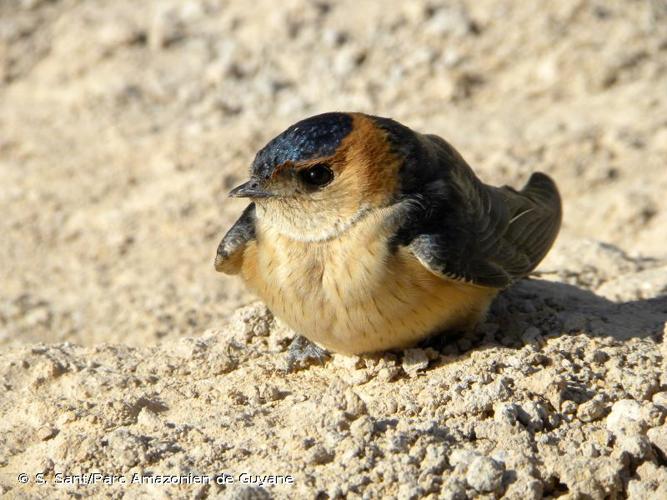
column 303, row 353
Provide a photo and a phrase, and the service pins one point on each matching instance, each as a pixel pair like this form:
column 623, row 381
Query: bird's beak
column 251, row 189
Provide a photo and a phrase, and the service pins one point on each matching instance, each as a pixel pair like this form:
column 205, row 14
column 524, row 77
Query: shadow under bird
column 364, row 235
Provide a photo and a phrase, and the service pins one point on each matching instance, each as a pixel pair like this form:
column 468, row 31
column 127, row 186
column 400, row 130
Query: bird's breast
column 353, row 294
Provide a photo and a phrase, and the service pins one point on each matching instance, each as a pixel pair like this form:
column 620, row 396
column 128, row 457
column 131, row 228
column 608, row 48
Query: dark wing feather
column 230, row 250
column 465, row 230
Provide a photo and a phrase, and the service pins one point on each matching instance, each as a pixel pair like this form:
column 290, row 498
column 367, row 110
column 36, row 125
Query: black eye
column 317, row 175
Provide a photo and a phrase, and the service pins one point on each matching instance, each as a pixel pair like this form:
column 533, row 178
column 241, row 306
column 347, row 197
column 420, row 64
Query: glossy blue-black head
column 310, row 139
column 314, row 137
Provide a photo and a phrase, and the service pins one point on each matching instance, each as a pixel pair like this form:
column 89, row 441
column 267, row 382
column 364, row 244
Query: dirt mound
column 561, row 391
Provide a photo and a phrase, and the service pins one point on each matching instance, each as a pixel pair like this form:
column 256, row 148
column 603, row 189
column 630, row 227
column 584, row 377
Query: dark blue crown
column 313, row 137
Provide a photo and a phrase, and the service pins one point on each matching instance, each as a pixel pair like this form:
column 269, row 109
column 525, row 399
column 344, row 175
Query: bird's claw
column 303, row 353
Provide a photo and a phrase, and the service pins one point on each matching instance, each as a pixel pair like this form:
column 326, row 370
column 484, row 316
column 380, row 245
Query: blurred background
column 124, row 123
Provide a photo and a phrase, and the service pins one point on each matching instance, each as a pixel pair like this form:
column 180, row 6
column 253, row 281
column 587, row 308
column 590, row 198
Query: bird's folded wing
column 230, row 250
column 489, row 236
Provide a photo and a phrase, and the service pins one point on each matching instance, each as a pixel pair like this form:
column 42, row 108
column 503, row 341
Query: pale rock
column 485, row 475
column 625, row 416
column 658, row 437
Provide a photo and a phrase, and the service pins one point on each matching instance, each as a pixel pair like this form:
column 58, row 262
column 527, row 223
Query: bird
column 363, row 235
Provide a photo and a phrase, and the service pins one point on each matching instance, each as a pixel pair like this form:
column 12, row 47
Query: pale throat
column 307, row 223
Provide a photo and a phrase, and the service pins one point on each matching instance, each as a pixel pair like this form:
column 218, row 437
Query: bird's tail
column 542, row 191
column 535, row 217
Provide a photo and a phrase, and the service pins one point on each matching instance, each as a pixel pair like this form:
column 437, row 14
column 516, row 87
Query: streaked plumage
column 365, row 235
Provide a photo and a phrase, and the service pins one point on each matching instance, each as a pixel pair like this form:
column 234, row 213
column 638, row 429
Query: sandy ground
column 123, row 124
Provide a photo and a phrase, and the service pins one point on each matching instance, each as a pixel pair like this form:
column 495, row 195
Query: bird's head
column 315, row 179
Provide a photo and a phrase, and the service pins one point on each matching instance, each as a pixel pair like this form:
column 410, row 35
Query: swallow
column 364, row 235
